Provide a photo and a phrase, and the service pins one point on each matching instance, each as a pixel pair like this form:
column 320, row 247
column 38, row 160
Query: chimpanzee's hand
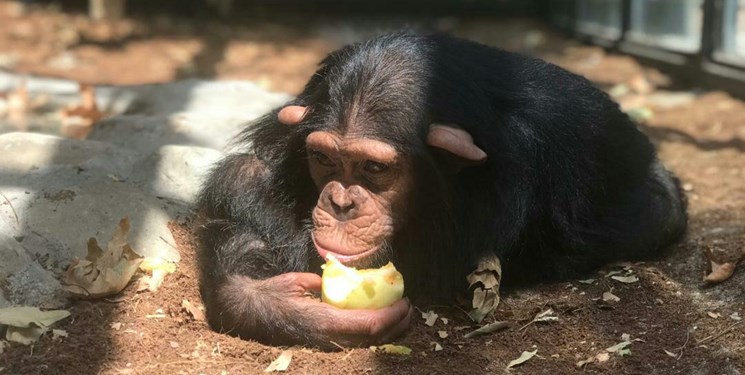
column 344, row 327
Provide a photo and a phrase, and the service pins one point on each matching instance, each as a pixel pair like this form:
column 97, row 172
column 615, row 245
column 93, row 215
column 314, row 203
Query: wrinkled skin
column 363, row 185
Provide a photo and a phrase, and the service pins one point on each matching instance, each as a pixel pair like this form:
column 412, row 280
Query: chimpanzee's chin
column 372, row 258
column 365, row 258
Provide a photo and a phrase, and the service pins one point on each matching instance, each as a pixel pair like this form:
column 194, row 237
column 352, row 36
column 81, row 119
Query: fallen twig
column 11, row 207
column 682, row 347
column 347, row 355
column 709, row 338
column 338, row 346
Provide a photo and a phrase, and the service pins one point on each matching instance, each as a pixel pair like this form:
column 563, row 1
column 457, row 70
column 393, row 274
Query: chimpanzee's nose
column 341, row 202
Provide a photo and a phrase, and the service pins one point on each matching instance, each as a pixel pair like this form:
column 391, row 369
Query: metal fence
column 702, row 42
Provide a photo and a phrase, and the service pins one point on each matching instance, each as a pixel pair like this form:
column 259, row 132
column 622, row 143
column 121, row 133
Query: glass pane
column 600, row 17
column 561, row 12
column 733, row 31
column 671, row 24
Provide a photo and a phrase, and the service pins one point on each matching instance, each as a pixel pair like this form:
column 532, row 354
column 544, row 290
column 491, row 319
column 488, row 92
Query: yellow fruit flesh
column 349, row 288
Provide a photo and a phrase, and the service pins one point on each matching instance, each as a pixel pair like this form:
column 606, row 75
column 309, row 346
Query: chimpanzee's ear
column 291, row 114
column 458, row 143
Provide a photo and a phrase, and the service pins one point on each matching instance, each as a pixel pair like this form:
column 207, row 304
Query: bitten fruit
column 349, row 288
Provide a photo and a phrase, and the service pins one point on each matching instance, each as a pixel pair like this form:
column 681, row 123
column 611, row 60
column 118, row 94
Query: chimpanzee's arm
column 254, row 258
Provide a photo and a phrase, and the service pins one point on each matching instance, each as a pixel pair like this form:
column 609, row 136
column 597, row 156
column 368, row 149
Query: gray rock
column 147, row 164
column 13, row 254
column 194, row 113
column 174, row 172
column 35, row 286
column 74, row 190
column 208, row 107
column 223, row 99
column 147, row 133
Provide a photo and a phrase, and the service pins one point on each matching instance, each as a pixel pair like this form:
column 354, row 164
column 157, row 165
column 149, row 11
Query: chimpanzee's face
column 364, row 185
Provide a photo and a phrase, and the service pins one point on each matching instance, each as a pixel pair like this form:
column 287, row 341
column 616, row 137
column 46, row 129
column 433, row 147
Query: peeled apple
column 349, row 288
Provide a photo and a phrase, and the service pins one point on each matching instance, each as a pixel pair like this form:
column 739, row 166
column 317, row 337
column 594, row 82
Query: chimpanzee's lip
column 324, row 253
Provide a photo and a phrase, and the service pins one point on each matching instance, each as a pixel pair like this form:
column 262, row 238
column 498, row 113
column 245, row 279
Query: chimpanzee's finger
column 297, row 282
column 399, row 328
column 369, row 323
column 291, row 115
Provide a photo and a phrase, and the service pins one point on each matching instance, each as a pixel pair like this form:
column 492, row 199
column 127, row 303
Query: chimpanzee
column 432, row 152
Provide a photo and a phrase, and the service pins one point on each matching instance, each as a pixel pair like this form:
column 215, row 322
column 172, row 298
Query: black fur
column 570, row 182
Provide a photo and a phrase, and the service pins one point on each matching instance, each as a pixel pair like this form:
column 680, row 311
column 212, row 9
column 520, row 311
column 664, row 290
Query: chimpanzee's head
column 368, row 117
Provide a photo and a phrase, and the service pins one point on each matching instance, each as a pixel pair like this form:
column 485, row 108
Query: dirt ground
column 675, row 322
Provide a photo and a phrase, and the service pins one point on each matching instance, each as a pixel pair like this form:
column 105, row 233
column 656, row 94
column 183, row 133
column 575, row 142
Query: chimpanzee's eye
column 322, row 159
column 374, row 167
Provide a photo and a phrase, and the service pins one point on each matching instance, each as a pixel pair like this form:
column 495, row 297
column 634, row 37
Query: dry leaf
column 442, row 334
column 24, row 316
column 610, row 297
column 437, row 346
column 58, row 333
column 713, row 315
column 18, row 103
column 489, row 328
column 445, row 321
column 430, row 318
column 103, row 273
column 143, row 283
column 626, row 279
column 671, row 354
column 485, row 281
column 25, row 336
column 522, row 359
column 602, row 357
column 544, row 316
column 720, row 272
column 488, row 273
column 621, row 345
column 78, row 121
column 484, row 302
column 641, row 85
column 619, row 90
column 586, row 362
column 588, row 281
column 116, row 326
column 392, row 349
column 26, row 324
column 281, row 363
column 640, row 114
column 193, row 310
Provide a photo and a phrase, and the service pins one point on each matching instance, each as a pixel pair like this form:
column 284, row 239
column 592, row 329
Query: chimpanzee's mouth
column 324, row 251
